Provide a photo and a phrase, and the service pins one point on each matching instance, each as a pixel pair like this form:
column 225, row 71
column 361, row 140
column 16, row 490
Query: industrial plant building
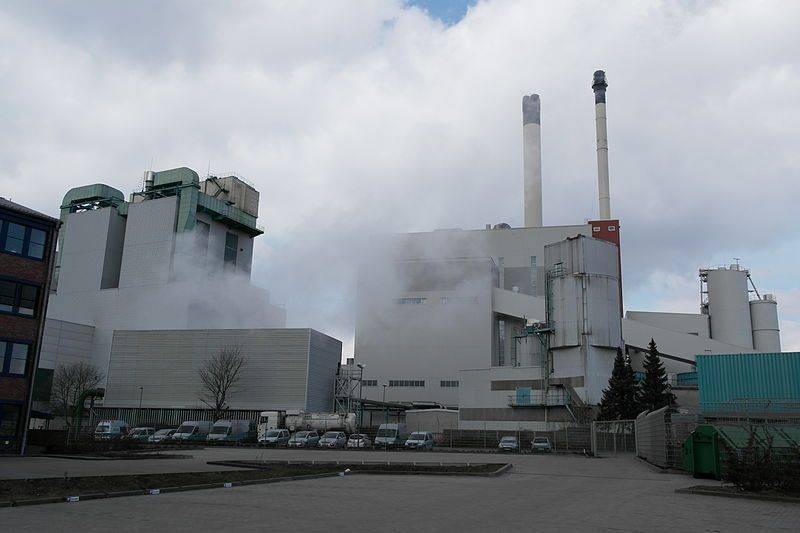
column 149, row 289
column 518, row 327
column 27, row 251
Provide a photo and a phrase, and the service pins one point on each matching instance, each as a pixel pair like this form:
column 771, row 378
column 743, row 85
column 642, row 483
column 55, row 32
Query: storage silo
column 729, row 306
column 764, row 318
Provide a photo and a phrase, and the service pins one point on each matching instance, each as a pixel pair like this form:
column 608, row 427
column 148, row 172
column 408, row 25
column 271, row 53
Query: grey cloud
column 350, row 125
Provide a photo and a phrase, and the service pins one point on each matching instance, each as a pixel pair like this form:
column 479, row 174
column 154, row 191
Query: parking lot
column 542, row 492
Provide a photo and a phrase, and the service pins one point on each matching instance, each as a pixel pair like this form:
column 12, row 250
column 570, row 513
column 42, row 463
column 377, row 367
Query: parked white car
column 359, row 440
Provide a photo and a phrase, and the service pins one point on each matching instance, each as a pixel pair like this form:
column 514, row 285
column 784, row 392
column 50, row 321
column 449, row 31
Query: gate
column 612, row 437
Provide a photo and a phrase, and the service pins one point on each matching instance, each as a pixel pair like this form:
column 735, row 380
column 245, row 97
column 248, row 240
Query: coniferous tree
column 619, row 400
column 655, row 392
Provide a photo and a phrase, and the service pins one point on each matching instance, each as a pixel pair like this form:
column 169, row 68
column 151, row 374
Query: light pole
column 139, row 412
column 361, row 367
column 386, row 411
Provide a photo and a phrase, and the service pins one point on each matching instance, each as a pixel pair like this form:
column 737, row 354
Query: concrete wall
column 277, row 373
column 65, row 343
column 689, row 323
column 149, row 243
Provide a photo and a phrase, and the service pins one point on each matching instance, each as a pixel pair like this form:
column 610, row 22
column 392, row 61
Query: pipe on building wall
column 532, row 160
column 599, row 85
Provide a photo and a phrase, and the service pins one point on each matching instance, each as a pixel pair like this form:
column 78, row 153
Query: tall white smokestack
column 532, row 159
column 599, row 85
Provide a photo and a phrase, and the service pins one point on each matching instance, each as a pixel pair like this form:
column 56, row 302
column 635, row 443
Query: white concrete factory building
column 148, row 289
column 518, row 327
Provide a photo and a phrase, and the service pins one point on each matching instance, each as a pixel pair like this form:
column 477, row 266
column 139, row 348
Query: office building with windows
column 27, row 251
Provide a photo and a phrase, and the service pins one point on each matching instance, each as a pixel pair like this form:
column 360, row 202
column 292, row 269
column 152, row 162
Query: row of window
column 22, row 240
column 14, row 358
column 408, row 383
column 444, row 300
column 18, row 298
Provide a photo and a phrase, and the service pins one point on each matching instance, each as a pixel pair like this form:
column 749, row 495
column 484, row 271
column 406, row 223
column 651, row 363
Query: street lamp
column 361, row 367
column 139, row 412
column 386, row 407
column 386, row 411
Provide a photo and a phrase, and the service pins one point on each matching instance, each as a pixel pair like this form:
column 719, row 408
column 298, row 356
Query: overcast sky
column 358, row 117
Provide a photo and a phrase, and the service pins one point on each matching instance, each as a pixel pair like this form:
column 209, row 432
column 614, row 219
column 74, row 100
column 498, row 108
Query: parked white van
column 192, row 430
column 111, row 430
column 391, row 435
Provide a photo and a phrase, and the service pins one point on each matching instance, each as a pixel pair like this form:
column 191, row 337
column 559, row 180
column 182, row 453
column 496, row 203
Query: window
column 406, row 383
column 201, row 231
column 9, row 419
column 22, row 240
column 18, row 298
column 406, row 301
column 15, row 238
column 446, row 383
column 533, row 275
column 231, row 247
column 369, row 382
column 501, row 343
column 36, row 243
column 14, row 357
column 459, row 300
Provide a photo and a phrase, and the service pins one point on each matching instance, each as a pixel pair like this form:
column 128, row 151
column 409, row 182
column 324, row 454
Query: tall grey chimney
column 599, row 85
column 532, row 160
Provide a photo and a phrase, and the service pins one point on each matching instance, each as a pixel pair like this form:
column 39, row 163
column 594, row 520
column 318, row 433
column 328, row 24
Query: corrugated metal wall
column 323, row 357
column 759, row 381
column 165, row 363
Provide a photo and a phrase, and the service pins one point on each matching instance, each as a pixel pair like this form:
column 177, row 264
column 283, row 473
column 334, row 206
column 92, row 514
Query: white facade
column 284, row 368
column 433, row 304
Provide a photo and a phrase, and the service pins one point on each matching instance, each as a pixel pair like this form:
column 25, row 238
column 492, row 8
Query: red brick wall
column 23, row 268
column 16, row 327
column 13, row 388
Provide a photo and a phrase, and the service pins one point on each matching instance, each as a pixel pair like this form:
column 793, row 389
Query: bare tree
column 220, row 375
column 71, row 383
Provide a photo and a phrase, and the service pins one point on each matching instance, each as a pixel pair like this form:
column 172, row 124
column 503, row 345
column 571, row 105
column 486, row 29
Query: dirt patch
column 24, row 489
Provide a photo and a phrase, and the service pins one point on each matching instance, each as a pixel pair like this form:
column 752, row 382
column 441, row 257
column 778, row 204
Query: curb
column 746, row 496
column 165, row 490
column 503, row 468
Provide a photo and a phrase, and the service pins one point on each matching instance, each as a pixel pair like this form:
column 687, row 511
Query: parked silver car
column 541, row 444
column 508, row 444
column 333, row 439
column 420, row 440
column 275, row 437
column 304, row 439
column 162, row 435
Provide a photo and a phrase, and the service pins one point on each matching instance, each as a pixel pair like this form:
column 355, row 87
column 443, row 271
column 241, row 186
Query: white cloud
column 359, row 117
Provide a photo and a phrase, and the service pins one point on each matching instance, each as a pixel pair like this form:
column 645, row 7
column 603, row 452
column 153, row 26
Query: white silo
column 764, row 317
column 729, row 305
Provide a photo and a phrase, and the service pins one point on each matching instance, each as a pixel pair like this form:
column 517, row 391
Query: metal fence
column 569, row 439
column 612, row 437
column 161, row 418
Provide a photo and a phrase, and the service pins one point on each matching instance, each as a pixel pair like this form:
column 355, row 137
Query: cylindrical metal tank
column 764, row 317
column 729, row 306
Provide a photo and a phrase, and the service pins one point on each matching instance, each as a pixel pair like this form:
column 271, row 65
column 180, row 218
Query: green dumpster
column 701, row 452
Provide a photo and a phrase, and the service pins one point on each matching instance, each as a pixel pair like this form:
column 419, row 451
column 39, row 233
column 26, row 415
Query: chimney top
column 531, row 109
